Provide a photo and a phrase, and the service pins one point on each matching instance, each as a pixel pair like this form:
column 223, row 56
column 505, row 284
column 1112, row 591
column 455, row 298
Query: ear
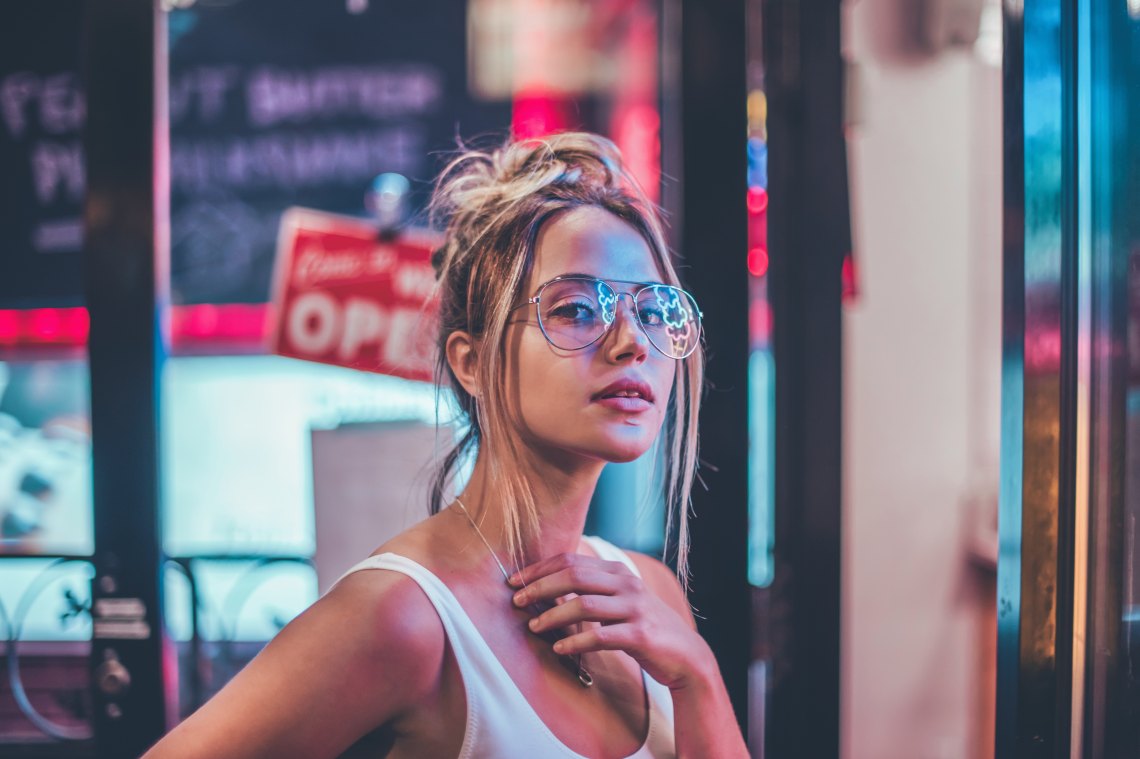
column 463, row 359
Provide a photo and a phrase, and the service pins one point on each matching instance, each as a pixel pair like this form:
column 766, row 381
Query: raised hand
column 630, row 617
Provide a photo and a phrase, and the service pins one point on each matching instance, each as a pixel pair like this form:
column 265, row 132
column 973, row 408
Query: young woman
column 494, row 628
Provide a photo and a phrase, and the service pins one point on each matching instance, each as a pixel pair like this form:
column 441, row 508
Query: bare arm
column 704, row 722
column 357, row 659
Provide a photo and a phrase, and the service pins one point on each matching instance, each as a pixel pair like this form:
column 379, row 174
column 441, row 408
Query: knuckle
column 640, row 605
column 617, row 567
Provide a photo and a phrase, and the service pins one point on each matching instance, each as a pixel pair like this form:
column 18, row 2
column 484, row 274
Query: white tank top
column 501, row 723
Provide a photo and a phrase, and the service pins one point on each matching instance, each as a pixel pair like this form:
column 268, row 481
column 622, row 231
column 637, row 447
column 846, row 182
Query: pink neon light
column 43, row 327
column 757, row 200
column 758, row 262
column 538, row 114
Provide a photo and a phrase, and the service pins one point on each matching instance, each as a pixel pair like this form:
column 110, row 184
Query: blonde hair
column 491, row 206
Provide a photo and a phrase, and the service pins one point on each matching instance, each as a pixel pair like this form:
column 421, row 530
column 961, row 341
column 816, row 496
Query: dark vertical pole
column 808, row 236
column 714, row 242
column 1013, row 389
column 125, row 255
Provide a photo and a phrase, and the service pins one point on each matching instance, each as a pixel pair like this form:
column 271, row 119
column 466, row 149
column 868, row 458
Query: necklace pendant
column 585, row 678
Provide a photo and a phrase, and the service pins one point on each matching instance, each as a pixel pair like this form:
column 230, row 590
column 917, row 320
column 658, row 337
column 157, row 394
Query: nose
column 626, row 339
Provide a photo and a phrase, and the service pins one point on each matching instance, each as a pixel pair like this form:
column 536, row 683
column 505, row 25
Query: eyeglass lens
column 575, row 312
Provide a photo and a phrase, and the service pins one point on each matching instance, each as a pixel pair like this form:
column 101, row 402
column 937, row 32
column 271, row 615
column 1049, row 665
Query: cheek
column 538, row 380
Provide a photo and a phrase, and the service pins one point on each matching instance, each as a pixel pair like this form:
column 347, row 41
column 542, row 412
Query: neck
column 562, row 494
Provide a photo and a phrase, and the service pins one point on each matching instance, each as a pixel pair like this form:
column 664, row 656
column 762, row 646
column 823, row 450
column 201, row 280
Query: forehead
column 592, row 241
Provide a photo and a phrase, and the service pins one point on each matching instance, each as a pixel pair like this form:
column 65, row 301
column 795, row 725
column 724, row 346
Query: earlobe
column 463, row 359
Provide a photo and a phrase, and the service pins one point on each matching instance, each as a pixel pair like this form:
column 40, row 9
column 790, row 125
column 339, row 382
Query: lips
column 632, row 389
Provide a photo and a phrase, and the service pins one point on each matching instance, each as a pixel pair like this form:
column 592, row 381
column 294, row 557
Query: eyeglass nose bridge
column 609, row 316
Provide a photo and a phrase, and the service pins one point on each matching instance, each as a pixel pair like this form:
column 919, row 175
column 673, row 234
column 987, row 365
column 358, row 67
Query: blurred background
column 909, row 222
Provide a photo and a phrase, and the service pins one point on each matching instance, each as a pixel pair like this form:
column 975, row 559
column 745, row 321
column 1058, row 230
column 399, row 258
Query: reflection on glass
column 221, row 612
column 45, row 631
column 1112, row 690
column 45, row 458
column 237, row 448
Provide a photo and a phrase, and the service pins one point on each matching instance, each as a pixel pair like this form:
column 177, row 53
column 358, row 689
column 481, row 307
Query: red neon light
column 201, row 327
column 43, row 327
column 760, row 322
column 223, row 326
column 637, row 133
column 757, row 200
column 45, row 324
column 538, row 114
column 758, row 262
column 9, row 327
column 850, row 278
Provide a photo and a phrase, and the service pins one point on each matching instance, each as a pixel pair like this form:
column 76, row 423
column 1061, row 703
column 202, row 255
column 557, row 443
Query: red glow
column 76, row 324
column 37, row 327
column 757, row 200
column 203, row 328
column 537, row 114
column 222, row 327
column 850, row 286
column 9, row 327
column 758, row 261
column 759, row 322
column 44, row 324
column 637, row 134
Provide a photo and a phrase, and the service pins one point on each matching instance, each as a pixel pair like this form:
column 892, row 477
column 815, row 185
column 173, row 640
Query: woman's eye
column 573, row 311
column 651, row 317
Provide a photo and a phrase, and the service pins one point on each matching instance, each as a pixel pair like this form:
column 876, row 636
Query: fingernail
column 514, row 579
column 520, row 598
column 533, row 623
column 559, row 647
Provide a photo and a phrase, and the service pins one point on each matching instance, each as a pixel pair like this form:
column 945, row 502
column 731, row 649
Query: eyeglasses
column 575, row 311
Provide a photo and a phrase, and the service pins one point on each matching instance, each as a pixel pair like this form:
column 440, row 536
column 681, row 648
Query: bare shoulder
column 361, row 657
column 391, row 619
column 663, row 582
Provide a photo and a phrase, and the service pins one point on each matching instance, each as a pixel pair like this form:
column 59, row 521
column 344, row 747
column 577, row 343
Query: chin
column 623, row 451
column 624, row 457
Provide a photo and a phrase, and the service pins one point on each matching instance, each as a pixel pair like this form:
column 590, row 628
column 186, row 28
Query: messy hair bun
column 491, row 206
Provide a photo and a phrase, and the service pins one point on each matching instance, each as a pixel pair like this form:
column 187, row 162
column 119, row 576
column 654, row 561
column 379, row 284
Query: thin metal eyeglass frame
column 634, row 294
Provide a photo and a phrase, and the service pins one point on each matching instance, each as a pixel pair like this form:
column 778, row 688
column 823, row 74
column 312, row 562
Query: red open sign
column 345, row 296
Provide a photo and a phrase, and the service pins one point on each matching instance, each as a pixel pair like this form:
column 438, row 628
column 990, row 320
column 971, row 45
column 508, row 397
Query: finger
column 559, row 562
column 626, row 637
column 582, row 609
column 581, row 580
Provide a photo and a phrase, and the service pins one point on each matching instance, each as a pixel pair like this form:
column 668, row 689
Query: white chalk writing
column 200, row 93
column 58, row 171
column 53, row 103
column 294, row 160
column 275, row 96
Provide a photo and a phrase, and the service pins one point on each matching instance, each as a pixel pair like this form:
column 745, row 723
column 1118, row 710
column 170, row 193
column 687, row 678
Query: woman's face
column 581, row 403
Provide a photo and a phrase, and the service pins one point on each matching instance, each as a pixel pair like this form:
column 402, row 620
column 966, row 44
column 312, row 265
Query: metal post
column 808, row 236
column 126, row 229
column 714, row 241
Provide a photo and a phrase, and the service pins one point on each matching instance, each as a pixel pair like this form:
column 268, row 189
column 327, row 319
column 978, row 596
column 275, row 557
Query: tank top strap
column 471, row 651
column 608, row 551
column 500, row 721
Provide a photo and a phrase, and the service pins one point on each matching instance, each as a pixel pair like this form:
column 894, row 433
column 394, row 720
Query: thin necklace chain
column 584, row 675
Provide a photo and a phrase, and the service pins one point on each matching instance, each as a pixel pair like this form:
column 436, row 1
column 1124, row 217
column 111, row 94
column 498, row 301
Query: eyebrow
column 595, row 276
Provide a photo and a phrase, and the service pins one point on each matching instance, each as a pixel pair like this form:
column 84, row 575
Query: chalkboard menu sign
column 273, row 103
column 41, row 157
